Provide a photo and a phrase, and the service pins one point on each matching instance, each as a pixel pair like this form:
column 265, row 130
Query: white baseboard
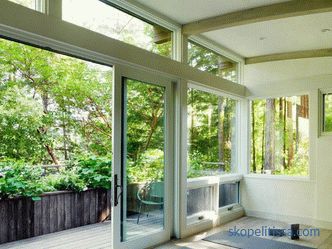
column 310, row 221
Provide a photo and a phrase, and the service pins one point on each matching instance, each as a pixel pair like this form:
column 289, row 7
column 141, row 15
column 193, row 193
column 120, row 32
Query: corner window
column 280, row 136
column 327, row 112
column 209, row 61
column 103, row 18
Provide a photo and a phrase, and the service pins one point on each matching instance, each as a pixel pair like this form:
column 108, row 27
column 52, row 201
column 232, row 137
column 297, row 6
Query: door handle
column 116, row 194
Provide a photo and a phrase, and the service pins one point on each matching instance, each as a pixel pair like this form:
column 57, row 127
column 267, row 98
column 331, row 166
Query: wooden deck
column 89, row 236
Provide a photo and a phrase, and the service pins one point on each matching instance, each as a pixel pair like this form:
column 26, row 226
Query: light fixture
column 262, row 38
column 326, row 30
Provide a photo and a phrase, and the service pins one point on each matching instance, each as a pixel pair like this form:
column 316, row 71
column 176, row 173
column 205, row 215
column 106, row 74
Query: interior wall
column 286, row 198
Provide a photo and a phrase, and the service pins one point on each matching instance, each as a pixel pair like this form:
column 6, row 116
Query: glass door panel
column 143, row 159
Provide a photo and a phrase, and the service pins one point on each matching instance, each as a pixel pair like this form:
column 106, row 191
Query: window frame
column 40, row 5
column 192, row 224
column 223, row 52
column 321, row 108
column 311, row 175
column 70, row 42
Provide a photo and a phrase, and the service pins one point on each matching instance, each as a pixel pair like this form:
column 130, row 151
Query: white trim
column 148, row 14
column 219, row 49
column 313, row 133
column 50, row 32
column 161, row 235
column 278, row 177
column 321, row 92
column 305, row 220
column 224, row 52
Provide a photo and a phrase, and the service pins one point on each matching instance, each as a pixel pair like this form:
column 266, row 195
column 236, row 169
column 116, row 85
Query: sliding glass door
column 142, row 166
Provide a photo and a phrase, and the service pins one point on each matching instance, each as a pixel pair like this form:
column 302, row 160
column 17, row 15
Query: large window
column 110, row 21
column 327, row 112
column 209, row 61
column 211, row 122
column 280, row 135
column 211, row 134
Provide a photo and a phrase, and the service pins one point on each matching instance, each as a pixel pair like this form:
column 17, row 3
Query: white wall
column 293, row 199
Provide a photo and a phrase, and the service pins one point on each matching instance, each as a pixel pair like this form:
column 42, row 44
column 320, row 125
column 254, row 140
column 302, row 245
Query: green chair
column 150, row 195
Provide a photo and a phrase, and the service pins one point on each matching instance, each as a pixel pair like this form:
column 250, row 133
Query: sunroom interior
column 165, row 124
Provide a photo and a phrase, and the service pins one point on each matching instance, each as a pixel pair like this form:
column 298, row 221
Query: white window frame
column 57, row 35
column 311, row 174
column 195, row 223
column 224, row 52
column 321, row 116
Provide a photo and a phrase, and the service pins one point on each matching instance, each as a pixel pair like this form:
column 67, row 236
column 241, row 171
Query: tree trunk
column 43, row 130
column 297, row 139
column 269, row 162
column 263, row 143
column 290, row 134
column 253, row 136
column 220, row 130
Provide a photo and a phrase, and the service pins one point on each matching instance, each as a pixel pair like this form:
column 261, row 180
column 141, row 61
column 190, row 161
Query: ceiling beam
column 289, row 56
column 259, row 14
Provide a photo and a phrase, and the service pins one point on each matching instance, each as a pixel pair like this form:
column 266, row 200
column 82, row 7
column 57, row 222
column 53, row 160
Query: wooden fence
column 22, row 217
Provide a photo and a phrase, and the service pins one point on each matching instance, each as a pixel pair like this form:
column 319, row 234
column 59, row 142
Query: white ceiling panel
column 277, row 36
column 184, row 11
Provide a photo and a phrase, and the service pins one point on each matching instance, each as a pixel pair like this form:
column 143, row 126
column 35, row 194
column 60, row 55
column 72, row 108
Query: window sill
column 279, row 177
column 206, row 181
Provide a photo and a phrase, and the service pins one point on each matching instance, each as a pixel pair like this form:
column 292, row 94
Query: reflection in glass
column 144, row 159
column 199, row 200
column 112, row 22
column 228, row 194
column 207, row 60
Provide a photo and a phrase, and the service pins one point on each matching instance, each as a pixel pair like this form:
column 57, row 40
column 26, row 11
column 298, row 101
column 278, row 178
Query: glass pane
column 280, row 135
column 328, row 112
column 107, row 20
column 228, row 194
column 209, row 61
column 31, row 4
column 143, row 205
column 211, row 134
column 199, row 201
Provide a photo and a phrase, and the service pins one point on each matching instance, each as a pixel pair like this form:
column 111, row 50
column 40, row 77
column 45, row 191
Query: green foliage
column 149, row 167
column 67, row 179
column 95, row 172
column 328, row 112
column 290, row 143
column 19, row 179
column 211, row 133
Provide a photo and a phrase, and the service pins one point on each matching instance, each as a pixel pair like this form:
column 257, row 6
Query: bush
column 21, row 179
column 95, row 172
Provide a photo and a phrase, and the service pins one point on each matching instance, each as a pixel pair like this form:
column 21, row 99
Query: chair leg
column 139, row 212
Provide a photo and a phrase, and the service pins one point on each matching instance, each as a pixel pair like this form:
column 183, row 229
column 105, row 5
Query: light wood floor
column 98, row 236
column 324, row 241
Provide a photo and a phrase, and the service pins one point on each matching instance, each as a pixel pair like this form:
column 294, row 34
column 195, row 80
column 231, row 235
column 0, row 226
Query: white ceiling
column 283, row 35
column 184, row 11
column 278, row 71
